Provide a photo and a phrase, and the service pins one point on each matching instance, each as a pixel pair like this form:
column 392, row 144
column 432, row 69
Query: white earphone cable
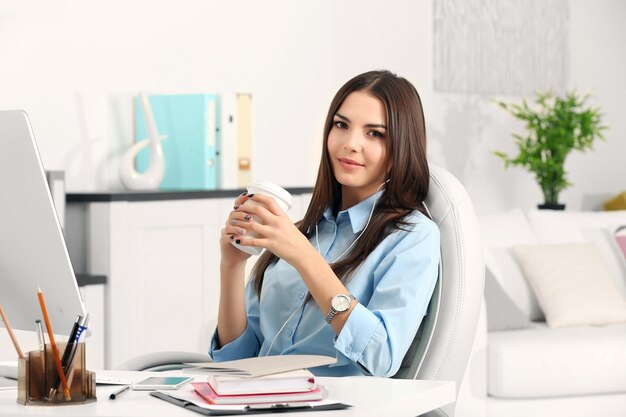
column 317, row 242
column 282, row 327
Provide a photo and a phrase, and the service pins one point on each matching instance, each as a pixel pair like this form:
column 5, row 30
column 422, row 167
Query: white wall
column 74, row 64
column 598, row 63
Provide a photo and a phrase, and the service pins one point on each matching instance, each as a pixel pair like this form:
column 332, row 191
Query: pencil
column 55, row 350
column 11, row 334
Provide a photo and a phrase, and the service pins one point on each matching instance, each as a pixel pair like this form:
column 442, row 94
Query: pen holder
column 38, row 381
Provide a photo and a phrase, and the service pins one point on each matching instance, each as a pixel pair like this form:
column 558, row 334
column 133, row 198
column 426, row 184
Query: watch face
column 341, row 302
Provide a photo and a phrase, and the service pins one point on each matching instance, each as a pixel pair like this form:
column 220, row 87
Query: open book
column 263, row 365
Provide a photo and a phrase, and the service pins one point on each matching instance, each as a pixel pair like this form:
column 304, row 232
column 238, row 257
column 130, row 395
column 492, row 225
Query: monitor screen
column 32, row 248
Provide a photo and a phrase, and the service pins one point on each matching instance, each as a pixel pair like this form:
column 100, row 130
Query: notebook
column 299, row 380
column 205, row 390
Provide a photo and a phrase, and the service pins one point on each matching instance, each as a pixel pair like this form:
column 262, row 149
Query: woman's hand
column 277, row 233
column 230, row 254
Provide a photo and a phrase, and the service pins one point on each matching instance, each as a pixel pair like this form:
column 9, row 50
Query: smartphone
column 161, row 383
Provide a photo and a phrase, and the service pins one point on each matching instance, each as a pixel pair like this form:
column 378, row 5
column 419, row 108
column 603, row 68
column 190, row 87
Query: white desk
column 369, row 396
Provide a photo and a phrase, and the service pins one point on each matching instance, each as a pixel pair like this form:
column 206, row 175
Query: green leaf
column 555, row 126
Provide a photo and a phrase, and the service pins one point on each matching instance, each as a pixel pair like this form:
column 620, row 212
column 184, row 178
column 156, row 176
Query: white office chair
column 442, row 346
column 163, row 361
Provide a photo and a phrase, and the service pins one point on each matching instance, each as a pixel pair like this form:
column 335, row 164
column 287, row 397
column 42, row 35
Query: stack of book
column 291, row 386
column 254, row 385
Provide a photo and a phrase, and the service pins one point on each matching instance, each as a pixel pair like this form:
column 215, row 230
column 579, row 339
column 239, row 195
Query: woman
column 352, row 279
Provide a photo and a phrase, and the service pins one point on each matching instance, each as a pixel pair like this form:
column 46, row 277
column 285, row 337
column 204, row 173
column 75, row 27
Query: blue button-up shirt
column 393, row 287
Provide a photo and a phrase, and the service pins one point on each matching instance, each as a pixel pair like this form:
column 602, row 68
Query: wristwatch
column 339, row 304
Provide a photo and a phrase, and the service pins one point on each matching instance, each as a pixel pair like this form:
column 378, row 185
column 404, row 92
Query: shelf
column 156, row 195
column 84, row 280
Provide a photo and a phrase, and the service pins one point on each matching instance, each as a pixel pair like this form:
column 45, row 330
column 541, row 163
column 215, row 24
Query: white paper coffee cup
column 282, row 197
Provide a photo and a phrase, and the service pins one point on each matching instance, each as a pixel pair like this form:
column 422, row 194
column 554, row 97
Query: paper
column 188, row 394
column 8, row 369
column 264, row 365
column 7, row 384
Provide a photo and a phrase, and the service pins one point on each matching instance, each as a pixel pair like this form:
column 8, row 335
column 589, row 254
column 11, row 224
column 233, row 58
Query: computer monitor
column 32, row 248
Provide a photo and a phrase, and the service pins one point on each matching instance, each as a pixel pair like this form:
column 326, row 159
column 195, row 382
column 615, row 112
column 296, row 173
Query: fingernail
column 237, row 241
column 248, row 218
column 250, row 195
column 235, row 207
column 242, row 231
column 232, row 222
column 242, row 194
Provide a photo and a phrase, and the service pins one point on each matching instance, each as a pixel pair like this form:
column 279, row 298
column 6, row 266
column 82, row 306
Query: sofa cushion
column 501, row 231
column 572, row 284
column 595, row 227
column 544, row 362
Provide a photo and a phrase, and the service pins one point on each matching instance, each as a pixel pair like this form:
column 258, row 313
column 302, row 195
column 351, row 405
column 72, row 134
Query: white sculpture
column 151, row 178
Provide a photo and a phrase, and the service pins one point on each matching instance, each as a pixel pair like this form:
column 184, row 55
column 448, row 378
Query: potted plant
column 554, row 127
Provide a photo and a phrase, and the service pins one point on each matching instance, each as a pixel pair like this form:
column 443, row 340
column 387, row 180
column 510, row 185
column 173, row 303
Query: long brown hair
column 408, row 172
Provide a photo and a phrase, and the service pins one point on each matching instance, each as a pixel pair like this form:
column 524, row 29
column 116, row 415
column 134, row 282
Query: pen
column 82, row 326
column 278, row 406
column 11, row 335
column 70, row 350
column 39, row 331
column 119, row 392
column 55, row 350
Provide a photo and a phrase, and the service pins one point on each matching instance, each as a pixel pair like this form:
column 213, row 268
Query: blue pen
column 70, row 349
column 82, row 327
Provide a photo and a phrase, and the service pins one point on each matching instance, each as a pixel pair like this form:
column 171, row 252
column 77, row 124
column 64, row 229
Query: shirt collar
column 358, row 214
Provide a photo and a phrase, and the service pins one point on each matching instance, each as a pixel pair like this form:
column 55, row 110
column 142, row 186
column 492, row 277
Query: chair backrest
column 442, row 346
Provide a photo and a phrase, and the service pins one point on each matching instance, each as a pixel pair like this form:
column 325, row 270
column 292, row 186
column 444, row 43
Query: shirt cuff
column 245, row 346
column 356, row 333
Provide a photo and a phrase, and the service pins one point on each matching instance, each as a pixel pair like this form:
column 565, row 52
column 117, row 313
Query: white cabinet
column 161, row 259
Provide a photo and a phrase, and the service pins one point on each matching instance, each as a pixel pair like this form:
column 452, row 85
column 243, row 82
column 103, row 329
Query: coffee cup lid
column 271, row 188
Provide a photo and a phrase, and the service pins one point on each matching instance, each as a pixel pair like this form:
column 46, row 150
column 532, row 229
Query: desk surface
column 369, row 396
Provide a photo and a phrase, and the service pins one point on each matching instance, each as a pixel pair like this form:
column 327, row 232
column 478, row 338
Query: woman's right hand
column 231, row 255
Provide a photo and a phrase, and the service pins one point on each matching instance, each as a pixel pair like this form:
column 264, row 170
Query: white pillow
column 500, row 231
column 607, row 246
column 572, row 284
column 596, row 227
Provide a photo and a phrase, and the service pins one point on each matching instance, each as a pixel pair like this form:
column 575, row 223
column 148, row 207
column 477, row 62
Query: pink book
column 621, row 243
column 204, row 390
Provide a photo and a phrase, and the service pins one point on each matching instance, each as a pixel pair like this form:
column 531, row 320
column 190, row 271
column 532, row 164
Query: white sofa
column 534, row 369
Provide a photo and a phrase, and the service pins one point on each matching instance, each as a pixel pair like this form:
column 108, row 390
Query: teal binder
column 191, row 124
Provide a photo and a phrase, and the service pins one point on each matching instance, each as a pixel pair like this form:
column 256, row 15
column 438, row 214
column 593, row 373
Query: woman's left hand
column 277, row 233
